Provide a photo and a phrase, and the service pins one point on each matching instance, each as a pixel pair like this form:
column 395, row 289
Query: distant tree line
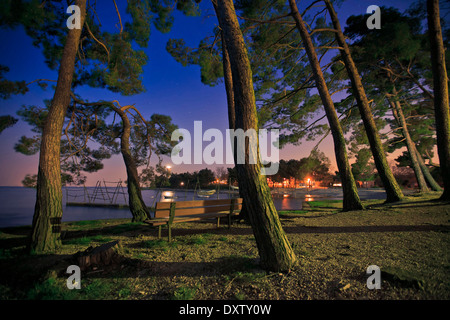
column 161, row 177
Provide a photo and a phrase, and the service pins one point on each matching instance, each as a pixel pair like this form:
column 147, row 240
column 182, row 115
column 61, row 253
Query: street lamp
column 168, row 169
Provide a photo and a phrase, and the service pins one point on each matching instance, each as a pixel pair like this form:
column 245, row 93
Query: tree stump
column 104, row 255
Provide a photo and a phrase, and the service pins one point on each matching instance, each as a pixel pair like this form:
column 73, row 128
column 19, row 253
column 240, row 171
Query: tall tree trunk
column 440, row 89
column 426, row 172
column 398, row 114
column 274, row 248
column 228, row 79
column 46, row 227
column 351, row 200
column 393, row 190
column 137, row 205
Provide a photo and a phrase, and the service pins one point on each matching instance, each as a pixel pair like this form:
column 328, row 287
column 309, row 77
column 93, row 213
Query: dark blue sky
column 171, row 89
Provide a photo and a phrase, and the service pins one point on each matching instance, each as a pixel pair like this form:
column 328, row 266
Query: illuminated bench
column 169, row 213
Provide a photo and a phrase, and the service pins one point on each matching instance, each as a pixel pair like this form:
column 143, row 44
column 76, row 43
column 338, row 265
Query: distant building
column 366, row 184
column 294, row 183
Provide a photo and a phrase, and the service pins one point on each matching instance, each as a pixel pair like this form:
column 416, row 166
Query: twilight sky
column 171, row 89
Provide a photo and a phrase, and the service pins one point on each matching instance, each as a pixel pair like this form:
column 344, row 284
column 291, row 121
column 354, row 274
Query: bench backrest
column 196, row 207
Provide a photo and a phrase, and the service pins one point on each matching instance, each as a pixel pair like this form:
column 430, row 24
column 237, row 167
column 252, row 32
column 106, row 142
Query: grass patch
column 97, row 289
column 152, row 244
column 50, row 289
column 240, row 296
column 184, row 293
column 325, row 204
column 84, row 241
column 402, row 277
column 90, row 223
column 292, row 212
column 198, row 240
column 125, row 227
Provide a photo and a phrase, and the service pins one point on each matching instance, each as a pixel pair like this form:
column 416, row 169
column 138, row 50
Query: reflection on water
column 168, row 196
column 282, row 201
column 17, row 203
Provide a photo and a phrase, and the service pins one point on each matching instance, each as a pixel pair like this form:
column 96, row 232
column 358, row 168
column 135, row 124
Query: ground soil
column 409, row 241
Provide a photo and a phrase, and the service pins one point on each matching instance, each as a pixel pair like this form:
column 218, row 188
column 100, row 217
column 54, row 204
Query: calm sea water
column 17, row 203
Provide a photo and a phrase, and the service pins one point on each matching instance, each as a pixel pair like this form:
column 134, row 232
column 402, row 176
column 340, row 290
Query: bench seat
column 169, row 213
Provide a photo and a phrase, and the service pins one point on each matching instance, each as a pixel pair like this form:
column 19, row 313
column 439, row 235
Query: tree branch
column 93, row 37
column 118, row 14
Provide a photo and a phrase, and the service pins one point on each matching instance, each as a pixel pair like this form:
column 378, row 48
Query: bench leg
column 170, row 233
column 229, row 221
column 159, row 232
column 218, row 222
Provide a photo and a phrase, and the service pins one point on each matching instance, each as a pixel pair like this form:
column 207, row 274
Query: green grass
column 292, row 212
column 152, row 244
column 402, row 277
column 84, row 241
column 90, row 223
column 184, row 293
column 125, row 227
column 56, row 289
column 198, row 240
column 325, row 204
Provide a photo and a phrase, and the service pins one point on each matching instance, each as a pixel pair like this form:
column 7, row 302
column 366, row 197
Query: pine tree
column 351, row 199
column 440, row 89
column 274, row 248
column 394, row 70
column 107, row 60
column 393, row 191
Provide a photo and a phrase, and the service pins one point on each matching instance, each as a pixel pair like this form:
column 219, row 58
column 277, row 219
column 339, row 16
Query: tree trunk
column 440, row 89
column 426, row 172
column 351, row 200
column 398, row 114
column 393, row 191
column 137, row 205
column 46, row 230
column 228, row 78
column 274, row 248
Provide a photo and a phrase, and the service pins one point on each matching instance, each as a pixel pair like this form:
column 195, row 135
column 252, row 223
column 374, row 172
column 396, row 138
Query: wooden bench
column 169, row 213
